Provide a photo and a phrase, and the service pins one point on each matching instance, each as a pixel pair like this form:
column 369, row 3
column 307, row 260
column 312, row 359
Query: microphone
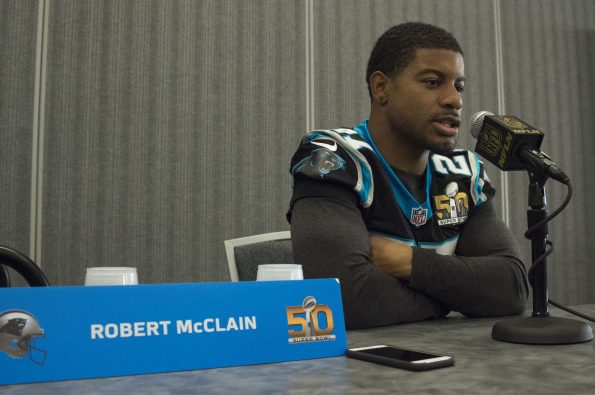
column 511, row 144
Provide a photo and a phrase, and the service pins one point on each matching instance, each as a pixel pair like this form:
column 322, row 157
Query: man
column 392, row 210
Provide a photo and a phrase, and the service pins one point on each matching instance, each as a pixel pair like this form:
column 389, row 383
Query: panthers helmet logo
column 18, row 329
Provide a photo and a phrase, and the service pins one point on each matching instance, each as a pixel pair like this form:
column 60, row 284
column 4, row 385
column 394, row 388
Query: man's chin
column 444, row 148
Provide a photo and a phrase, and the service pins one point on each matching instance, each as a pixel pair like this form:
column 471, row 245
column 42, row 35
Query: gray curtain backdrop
column 18, row 37
column 166, row 127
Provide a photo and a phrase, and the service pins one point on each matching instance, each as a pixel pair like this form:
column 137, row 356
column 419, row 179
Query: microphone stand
column 540, row 327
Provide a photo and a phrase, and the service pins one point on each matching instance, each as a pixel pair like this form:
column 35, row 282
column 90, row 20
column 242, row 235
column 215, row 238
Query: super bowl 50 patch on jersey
column 452, row 207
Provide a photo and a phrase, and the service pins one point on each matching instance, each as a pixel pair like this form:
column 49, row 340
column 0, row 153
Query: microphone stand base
column 542, row 330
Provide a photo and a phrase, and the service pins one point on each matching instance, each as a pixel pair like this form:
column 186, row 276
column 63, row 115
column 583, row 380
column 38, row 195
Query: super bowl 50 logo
column 310, row 322
column 453, row 207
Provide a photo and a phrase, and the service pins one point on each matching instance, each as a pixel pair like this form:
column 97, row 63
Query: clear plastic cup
column 111, row 276
column 277, row 272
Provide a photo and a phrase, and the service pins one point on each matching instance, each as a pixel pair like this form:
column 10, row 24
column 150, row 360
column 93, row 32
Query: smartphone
column 400, row 357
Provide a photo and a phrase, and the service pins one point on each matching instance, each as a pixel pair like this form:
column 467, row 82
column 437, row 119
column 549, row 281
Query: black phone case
column 397, row 363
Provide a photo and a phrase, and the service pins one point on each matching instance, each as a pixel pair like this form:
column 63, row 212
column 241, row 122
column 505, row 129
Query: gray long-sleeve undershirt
column 485, row 278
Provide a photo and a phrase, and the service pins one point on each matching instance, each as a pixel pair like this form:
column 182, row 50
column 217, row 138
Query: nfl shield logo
column 419, row 216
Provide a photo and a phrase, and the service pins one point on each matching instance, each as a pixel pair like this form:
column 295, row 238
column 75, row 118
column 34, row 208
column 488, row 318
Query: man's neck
column 404, row 157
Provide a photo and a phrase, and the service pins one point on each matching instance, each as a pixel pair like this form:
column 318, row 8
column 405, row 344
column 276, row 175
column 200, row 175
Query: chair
column 246, row 253
column 22, row 265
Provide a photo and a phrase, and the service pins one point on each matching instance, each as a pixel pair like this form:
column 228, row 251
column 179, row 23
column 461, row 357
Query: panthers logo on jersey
column 320, row 163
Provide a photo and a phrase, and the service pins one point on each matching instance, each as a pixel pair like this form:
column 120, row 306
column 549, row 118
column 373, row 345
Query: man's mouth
column 447, row 124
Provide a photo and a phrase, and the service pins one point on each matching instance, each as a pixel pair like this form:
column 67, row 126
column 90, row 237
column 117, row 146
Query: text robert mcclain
column 163, row 328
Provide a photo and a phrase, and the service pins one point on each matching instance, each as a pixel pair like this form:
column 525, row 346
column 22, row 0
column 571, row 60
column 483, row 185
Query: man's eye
column 460, row 88
column 432, row 83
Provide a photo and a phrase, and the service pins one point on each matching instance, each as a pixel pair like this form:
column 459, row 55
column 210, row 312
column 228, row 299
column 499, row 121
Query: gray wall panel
column 549, row 52
column 169, row 129
column 18, row 37
column 346, row 31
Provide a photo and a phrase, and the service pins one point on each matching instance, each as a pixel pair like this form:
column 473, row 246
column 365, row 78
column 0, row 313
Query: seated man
column 396, row 213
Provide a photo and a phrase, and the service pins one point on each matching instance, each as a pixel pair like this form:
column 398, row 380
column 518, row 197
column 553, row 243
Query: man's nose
column 451, row 97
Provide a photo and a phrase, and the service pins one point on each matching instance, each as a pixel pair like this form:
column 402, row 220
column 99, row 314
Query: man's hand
column 393, row 258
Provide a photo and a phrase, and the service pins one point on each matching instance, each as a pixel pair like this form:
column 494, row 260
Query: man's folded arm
column 485, row 278
column 330, row 239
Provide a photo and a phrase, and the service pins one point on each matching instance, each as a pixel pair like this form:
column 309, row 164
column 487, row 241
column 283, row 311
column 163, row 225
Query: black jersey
column 330, row 162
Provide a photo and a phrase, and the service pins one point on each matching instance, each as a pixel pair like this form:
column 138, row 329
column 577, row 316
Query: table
column 482, row 366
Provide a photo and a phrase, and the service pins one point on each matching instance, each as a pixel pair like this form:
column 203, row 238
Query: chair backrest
column 246, row 253
column 19, row 262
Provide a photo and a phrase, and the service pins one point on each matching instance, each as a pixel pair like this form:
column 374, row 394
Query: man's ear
column 379, row 87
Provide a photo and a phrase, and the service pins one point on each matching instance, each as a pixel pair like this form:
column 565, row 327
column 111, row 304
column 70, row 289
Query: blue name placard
column 61, row 333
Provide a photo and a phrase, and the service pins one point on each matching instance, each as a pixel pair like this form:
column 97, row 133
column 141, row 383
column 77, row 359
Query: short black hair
column 395, row 49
